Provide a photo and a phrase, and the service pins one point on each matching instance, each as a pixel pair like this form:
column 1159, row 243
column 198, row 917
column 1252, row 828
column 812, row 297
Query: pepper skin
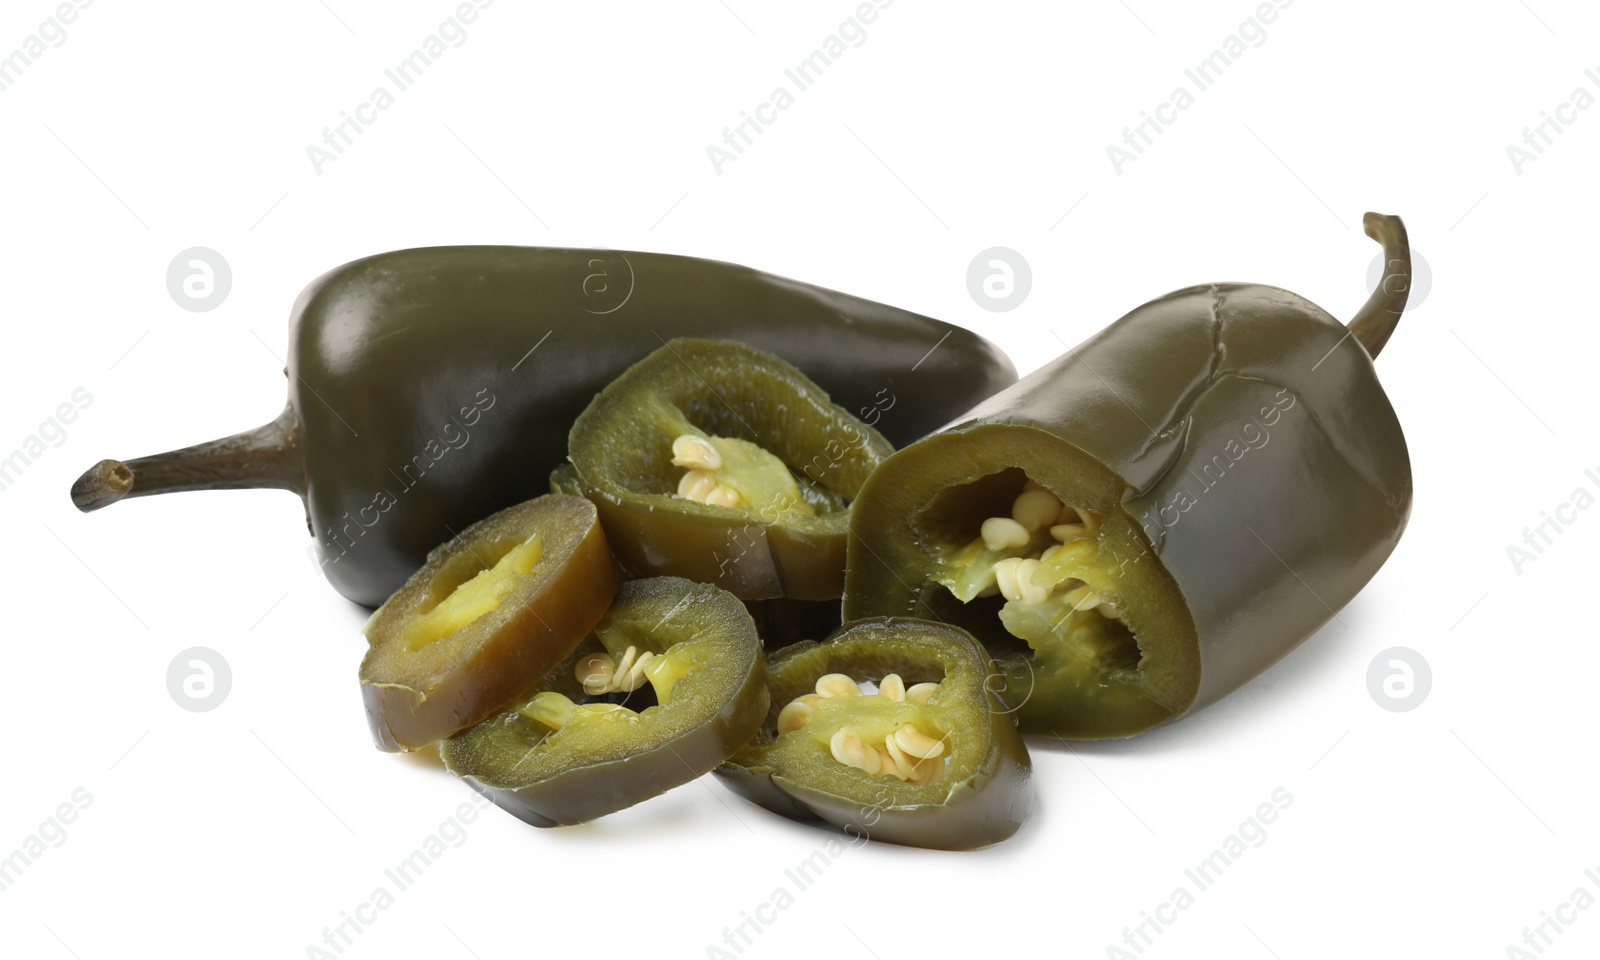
column 984, row 791
column 430, row 387
column 443, row 658
column 708, row 677
column 795, row 458
column 1241, row 475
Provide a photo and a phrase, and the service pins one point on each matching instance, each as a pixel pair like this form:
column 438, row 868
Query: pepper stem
column 269, row 456
column 1376, row 319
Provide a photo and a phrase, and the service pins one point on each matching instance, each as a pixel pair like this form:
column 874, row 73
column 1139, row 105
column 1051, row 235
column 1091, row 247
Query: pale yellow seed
column 837, row 685
column 1003, row 533
column 692, row 451
column 899, row 764
column 1049, row 552
column 849, row 749
column 916, row 743
column 888, row 766
column 724, row 496
column 696, row 485
column 594, row 672
column 892, row 687
column 1033, row 485
column 634, row 677
column 1082, row 598
column 928, row 771
column 793, row 717
column 1068, row 531
column 1035, row 509
column 1031, row 592
column 921, row 692
column 1005, row 574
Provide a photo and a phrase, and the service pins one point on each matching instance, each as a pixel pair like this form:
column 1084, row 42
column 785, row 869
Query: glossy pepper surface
column 930, row 758
column 715, row 461
column 684, row 660
column 489, row 613
column 1152, row 519
column 430, row 387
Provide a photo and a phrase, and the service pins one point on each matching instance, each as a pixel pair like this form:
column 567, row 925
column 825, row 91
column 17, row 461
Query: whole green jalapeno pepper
column 430, row 387
column 1152, row 519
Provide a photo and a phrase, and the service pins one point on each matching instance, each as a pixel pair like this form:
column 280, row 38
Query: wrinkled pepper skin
column 987, row 792
column 431, row 387
column 1251, row 472
column 572, row 776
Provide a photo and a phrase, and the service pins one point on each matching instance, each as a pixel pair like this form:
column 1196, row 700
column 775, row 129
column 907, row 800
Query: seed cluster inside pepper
column 729, row 472
column 1040, row 559
column 868, row 733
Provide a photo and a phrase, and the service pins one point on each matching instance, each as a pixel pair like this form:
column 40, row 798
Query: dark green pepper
column 714, row 461
column 1152, row 519
column 931, row 757
column 430, row 387
column 488, row 615
column 686, row 662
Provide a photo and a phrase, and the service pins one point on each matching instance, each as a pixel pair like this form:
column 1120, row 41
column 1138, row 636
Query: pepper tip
column 102, row 485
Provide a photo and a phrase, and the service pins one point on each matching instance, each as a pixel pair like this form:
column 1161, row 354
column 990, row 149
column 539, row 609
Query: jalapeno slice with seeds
column 671, row 683
column 714, row 461
column 488, row 614
column 888, row 729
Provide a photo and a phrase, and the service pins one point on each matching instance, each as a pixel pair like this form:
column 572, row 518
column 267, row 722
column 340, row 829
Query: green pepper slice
column 686, row 656
column 930, row 757
column 714, row 461
column 489, row 613
column 1149, row 521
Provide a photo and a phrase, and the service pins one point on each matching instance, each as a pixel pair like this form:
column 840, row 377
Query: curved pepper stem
column 269, row 456
column 1376, row 319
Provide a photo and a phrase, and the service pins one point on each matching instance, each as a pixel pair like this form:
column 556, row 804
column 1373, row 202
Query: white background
column 245, row 831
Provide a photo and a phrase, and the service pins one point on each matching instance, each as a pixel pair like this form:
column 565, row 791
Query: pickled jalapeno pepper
column 1154, row 518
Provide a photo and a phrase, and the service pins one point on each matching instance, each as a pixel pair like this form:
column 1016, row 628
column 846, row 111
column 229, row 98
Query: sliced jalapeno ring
column 714, row 461
column 889, row 729
column 489, row 613
column 672, row 681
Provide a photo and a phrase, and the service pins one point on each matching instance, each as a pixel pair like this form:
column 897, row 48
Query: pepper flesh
column 981, row 796
column 430, row 387
column 772, row 545
column 551, row 758
column 489, row 613
column 1248, row 470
